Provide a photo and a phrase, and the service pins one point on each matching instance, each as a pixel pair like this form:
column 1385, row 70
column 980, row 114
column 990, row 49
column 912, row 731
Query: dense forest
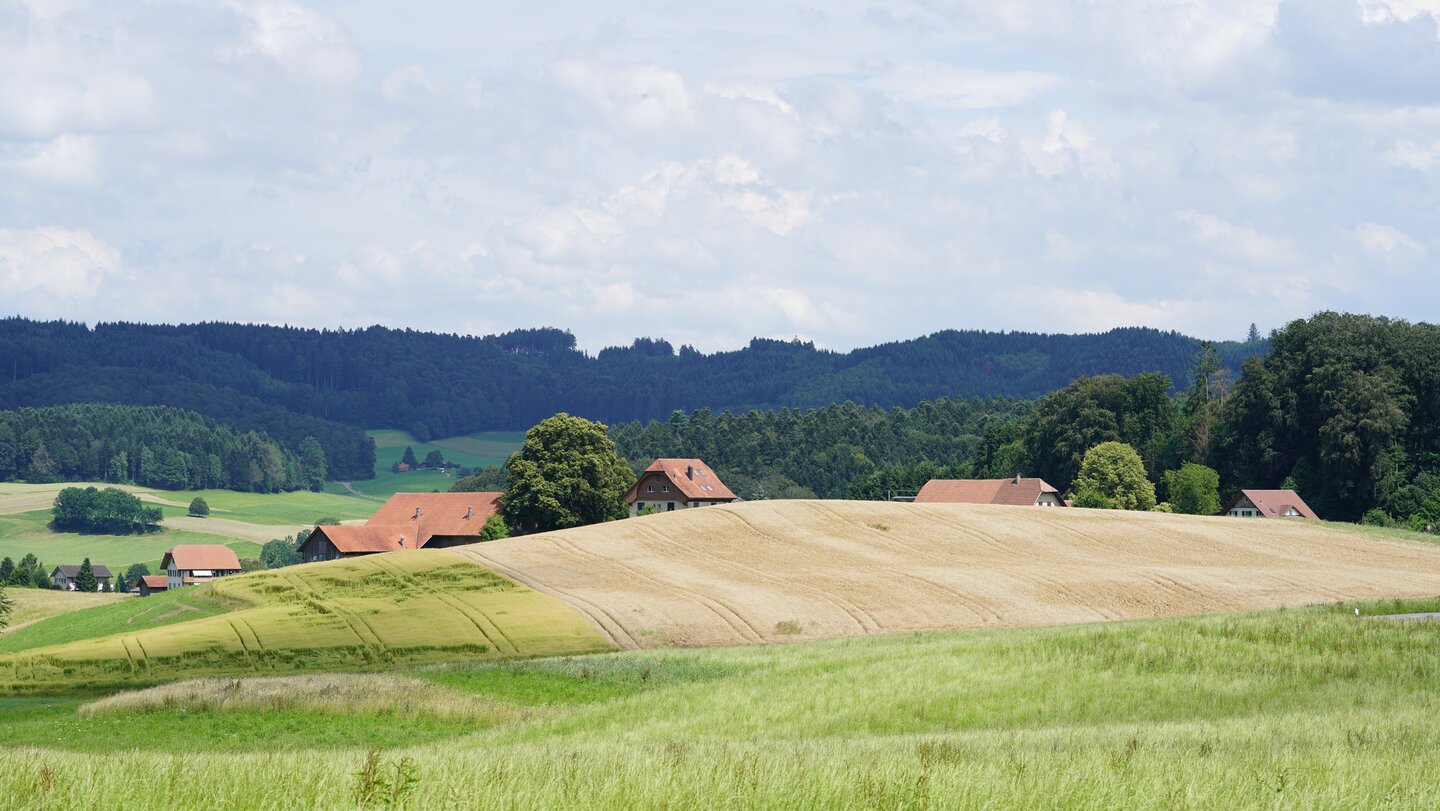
column 292, row 383
column 823, row 451
column 149, row 445
column 1345, row 409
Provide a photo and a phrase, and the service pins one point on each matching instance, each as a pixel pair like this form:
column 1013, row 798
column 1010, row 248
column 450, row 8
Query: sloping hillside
column 783, row 570
column 342, row 615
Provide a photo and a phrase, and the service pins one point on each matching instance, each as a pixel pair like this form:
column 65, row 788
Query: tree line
column 155, row 446
column 292, row 383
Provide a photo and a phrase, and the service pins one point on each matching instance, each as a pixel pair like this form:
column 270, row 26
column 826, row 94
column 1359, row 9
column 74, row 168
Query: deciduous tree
column 1193, row 489
column 1115, row 471
column 566, row 474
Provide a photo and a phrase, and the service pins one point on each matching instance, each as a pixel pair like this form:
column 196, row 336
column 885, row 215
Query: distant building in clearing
column 192, row 564
column 64, row 577
column 1270, row 504
column 1016, row 492
column 677, row 484
column 151, row 583
column 407, row 521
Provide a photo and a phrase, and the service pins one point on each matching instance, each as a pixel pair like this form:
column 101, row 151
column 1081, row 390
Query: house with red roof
column 151, row 583
column 677, row 484
column 1270, row 504
column 407, row 521
column 1016, row 492
column 192, row 564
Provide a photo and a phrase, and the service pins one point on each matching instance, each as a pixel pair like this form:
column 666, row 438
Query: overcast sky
column 847, row 172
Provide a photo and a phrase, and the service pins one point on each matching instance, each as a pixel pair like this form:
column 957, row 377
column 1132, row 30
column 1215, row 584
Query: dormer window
column 649, row 488
column 664, row 488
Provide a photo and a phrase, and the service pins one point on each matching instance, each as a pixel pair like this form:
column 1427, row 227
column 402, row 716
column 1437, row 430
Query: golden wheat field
column 788, row 570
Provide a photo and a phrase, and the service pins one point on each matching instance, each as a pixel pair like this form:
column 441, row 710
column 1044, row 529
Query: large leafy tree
column 1114, row 471
column 566, row 474
column 1193, row 489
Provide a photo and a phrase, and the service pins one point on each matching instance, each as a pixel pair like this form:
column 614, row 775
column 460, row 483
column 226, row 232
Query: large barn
column 407, row 521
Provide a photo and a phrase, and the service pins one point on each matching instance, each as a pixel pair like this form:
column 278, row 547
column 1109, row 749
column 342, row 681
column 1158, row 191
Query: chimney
column 417, row 512
column 1017, row 479
column 469, row 513
column 689, row 471
column 402, row 541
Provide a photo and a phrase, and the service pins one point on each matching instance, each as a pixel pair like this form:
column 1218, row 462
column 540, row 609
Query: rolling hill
column 787, row 570
column 748, row 573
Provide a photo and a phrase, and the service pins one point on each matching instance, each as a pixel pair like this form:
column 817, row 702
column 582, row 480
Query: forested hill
column 293, row 383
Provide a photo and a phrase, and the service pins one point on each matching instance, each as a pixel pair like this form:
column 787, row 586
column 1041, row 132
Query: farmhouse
column 151, row 583
column 675, row 484
column 1270, row 504
column 1016, row 492
column 191, row 564
column 407, row 521
column 64, row 577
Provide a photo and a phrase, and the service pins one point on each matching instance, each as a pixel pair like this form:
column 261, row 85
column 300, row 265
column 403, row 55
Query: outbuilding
column 151, row 584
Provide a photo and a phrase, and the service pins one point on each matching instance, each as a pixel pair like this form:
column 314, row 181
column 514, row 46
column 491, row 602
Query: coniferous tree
column 85, row 578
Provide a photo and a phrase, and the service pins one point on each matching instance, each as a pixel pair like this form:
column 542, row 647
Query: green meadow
column 484, row 449
column 29, row 533
column 1301, row 708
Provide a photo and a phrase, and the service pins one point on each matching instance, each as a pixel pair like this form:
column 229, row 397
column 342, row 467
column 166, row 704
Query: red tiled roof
column 359, row 540
column 439, row 514
column 212, row 557
column 1276, row 503
column 156, row 582
column 692, row 477
column 983, row 491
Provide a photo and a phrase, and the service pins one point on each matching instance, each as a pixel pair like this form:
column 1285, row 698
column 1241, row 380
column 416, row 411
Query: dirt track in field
column 785, row 570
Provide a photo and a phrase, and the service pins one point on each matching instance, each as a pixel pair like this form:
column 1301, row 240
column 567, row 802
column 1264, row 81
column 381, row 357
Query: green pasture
column 29, row 533
column 358, row 613
column 484, row 449
column 1294, row 709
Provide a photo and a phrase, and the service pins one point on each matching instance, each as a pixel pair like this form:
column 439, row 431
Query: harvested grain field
column 785, row 570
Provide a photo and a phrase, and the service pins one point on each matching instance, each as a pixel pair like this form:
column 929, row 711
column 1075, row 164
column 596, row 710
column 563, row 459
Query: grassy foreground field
column 1301, row 708
column 33, row 605
column 343, row 615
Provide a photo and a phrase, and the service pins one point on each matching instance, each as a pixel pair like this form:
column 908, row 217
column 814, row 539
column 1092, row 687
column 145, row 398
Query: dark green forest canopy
column 153, row 446
column 1347, row 407
column 828, row 450
column 292, row 383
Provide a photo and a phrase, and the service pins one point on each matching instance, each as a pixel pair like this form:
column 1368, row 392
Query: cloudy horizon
column 851, row 175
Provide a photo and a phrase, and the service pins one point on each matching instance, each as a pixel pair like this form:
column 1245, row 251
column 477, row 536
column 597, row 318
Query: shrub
column 199, row 508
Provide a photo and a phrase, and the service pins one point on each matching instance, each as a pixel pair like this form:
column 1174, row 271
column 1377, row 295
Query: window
column 670, row 507
column 664, row 488
column 649, row 488
column 639, row 505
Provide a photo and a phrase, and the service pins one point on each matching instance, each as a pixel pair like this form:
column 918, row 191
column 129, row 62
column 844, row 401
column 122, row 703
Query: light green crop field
column 1292, row 709
column 28, row 533
column 484, row 449
column 279, row 509
column 342, row 615
column 32, row 605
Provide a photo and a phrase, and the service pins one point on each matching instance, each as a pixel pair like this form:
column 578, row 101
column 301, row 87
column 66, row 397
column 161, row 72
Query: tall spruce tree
column 85, row 578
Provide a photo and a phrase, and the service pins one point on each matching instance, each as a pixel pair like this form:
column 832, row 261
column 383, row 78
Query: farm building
column 407, row 521
column 191, row 564
column 675, row 484
column 151, row 583
column 64, row 577
column 1270, row 504
column 1016, row 492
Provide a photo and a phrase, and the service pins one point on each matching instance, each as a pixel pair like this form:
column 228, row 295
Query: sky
column 844, row 172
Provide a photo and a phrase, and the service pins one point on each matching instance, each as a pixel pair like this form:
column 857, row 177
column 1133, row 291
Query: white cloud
column 942, row 85
column 41, row 265
column 69, row 160
column 636, row 96
column 1387, row 241
column 306, row 44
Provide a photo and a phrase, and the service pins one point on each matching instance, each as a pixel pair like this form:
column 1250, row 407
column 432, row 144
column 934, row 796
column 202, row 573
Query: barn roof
column 425, row 515
column 71, row 571
column 1276, row 503
column 211, row 557
column 158, row 582
column 692, row 477
column 1017, row 491
column 363, row 539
